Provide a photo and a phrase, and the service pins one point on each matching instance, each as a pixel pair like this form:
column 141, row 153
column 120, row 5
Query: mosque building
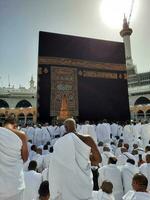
column 19, row 101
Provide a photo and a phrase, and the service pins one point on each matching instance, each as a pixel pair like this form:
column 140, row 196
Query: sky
column 21, row 21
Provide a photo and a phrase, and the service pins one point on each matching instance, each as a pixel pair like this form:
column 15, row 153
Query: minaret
column 125, row 33
column 31, row 82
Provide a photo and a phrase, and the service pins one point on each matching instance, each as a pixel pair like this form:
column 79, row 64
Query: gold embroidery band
column 80, row 63
column 105, row 75
column 94, row 74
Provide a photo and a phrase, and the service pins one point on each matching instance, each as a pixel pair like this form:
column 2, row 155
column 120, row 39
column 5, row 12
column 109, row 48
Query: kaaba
column 88, row 75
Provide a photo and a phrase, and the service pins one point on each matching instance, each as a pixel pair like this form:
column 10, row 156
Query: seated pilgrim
column 105, row 192
column 139, row 192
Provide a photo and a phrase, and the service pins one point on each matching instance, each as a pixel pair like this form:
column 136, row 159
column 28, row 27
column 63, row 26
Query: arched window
column 29, row 118
column 3, row 104
column 21, row 118
column 23, row 104
column 140, row 114
column 141, row 101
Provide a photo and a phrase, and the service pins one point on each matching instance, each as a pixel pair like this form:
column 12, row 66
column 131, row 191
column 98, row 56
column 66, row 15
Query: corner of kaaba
column 82, row 78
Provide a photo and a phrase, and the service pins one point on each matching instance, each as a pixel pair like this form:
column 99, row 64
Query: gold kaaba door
column 64, row 92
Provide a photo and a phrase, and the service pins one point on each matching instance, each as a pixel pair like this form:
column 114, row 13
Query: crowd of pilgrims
column 124, row 172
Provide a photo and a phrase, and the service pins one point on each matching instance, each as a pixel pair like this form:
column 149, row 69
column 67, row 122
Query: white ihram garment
column 114, row 129
column 145, row 134
column 103, row 132
column 100, row 195
column 30, row 132
column 132, row 195
column 128, row 171
column 11, row 165
column 32, row 182
column 112, row 173
column 128, row 134
column 37, row 140
column 18, row 196
column 145, row 169
column 70, row 170
column 45, row 135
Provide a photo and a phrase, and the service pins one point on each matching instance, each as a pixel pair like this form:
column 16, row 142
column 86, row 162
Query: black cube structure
column 90, row 73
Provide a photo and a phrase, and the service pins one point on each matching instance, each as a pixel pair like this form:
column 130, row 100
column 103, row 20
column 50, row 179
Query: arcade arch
column 23, row 104
column 142, row 101
column 3, row 104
